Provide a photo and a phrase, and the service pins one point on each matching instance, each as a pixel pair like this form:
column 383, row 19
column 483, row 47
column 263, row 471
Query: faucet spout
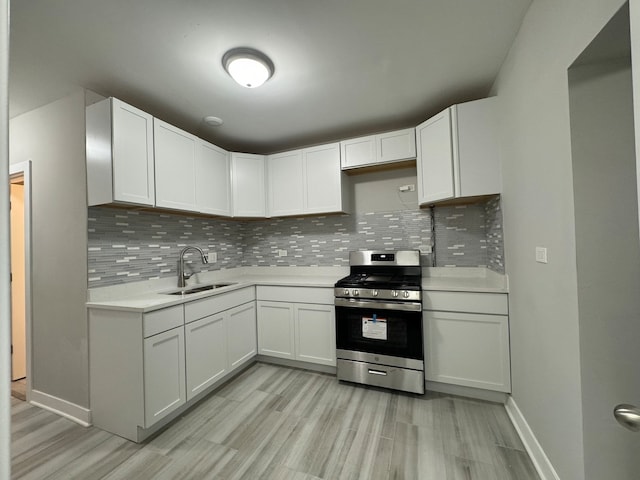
column 182, row 275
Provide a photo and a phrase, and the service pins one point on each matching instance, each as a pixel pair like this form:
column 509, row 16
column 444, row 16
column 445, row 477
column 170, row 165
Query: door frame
column 23, row 169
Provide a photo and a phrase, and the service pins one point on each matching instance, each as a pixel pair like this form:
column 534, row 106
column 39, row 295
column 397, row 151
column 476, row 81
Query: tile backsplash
column 133, row 245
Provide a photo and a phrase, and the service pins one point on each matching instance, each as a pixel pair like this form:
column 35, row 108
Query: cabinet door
column 435, row 159
column 241, row 334
column 315, row 333
column 133, row 166
column 322, row 179
column 275, row 329
column 175, row 155
column 357, row 152
column 248, row 184
column 164, row 374
column 467, row 349
column 206, row 357
column 478, row 153
column 213, row 179
column 285, row 192
column 395, row 146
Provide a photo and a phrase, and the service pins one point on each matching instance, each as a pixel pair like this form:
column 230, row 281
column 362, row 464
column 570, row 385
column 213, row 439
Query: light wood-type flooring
column 279, row 423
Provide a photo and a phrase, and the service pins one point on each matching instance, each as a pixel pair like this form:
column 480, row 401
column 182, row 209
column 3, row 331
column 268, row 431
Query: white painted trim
column 314, row 367
column 23, row 169
column 5, row 258
column 61, row 407
column 534, row 449
column 463, row 391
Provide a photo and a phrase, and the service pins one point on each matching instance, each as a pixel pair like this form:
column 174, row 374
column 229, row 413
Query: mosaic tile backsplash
column 131, row 245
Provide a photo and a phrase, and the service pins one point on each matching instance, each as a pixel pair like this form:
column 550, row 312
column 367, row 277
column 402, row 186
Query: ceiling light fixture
column 212, row 121
column 249, row 67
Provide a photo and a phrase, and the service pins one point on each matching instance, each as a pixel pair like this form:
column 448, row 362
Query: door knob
column 628, row 416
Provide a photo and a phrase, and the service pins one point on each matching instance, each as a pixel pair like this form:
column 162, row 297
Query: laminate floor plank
column 99, row 461
column 196, row 459
column 59, row 451
column 278, row 423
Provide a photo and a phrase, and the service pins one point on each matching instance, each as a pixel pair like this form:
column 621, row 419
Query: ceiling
column 343, row 68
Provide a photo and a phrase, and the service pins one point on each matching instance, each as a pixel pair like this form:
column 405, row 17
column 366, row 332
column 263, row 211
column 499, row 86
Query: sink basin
column 198, row 289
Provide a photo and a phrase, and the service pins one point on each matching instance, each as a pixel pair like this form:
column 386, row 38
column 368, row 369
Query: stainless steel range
column 379, row 320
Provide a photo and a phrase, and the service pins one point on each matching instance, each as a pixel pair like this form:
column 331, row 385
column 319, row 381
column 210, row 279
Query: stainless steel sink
column 198, row 288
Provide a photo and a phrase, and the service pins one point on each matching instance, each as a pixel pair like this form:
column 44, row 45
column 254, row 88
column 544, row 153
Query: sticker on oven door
column 374, row 327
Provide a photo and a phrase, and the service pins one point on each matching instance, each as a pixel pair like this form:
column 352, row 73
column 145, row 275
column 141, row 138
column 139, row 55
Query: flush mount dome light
column 249, row 67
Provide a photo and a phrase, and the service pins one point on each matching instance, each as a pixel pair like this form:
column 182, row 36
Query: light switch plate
column 282, row 253
column 541, row 255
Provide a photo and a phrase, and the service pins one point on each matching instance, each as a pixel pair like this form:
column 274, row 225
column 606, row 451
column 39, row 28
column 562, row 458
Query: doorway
column 19, row 183
column 607, row 247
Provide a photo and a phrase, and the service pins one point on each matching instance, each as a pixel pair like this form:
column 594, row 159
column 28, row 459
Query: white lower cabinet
column 467, row 348
column 276, row 329
column 242, row 341
column 315, row 330
column 220, row 334
column 164, row 374
column 206, row 345
column 144, row 366
column 297, row 331
column 218, row 344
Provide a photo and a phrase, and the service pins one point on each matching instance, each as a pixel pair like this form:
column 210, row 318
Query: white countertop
column 464, row 279
column 147, row 296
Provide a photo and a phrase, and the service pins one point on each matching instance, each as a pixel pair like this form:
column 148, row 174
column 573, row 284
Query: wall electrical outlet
column 282, row 253
column 541, row 255
column 213, row 257
column 427, row 249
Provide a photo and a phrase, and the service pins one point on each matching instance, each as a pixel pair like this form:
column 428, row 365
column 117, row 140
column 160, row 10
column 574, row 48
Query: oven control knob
column 356, row 293
column 346, row 291
column 374, row 293
column 394, row 293
column 406, row 294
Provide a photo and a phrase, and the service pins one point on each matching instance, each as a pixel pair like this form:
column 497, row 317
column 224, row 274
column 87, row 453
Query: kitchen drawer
column 162, row 320
column 217, row 303
column 319, row 295
column 473, row 302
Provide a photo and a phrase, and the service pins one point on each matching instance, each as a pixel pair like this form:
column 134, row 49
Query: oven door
column 379, row 328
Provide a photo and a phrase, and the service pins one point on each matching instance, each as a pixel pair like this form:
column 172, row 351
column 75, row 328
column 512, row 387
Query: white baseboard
column 477, row 393
column 61, row 407
column 534, row 449
column 315, row 367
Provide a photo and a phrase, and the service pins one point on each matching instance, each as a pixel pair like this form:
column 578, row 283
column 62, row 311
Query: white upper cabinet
column 383, row 148
column 286, row 186
column 458, row 154
column 325, row 186
column 358, row 152
column 119, row 149
column 191, row 174
column 306, row 181
column 213, row 179
column 248, row 184
column 175, row 156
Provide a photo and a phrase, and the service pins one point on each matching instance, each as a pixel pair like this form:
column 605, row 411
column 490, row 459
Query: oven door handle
column 404, row 306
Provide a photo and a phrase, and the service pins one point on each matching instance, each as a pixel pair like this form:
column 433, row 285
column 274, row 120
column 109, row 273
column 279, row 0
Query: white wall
column 608, row 258
column 53, row 138
column 538, row 209
column 378, row 191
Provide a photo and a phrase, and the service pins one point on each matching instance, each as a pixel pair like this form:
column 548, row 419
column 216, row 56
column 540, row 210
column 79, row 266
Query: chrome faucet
column 182, row 275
